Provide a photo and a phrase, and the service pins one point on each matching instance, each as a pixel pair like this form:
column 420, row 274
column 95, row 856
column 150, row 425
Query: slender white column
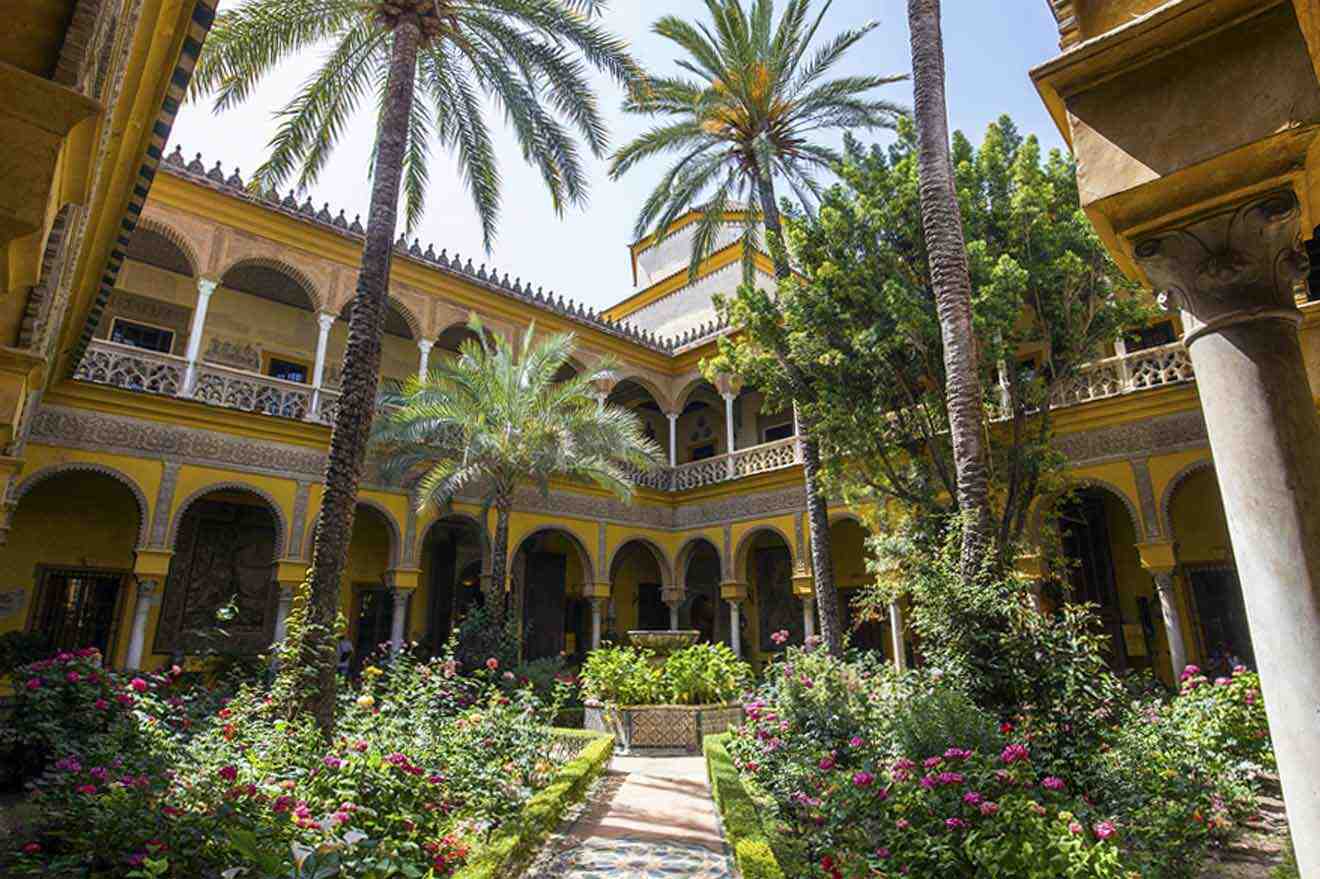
column 673, row 438
column 137, row 641
column 325, row 321
column 205, row 287
column 595, row 621
column 808, row 617
column 1172, row 621
column 424, row 347
column 282, row 612
column 735, row 630
column 896, row 633
column 1124, row 376
column 728, row 420
column 673, row 617
column 401, row 597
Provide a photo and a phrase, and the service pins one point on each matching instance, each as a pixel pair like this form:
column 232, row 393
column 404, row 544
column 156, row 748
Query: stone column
column 896, row 629
column 147, row 594
column 804, row 587
column 424, row 347
column 205, row 287
column 325, row 321
column 673, row 616
column 808, row 617
column 735, row 627
column 673, row 438
column 597, row 609
column 1172, row 621
column 400, row 615
column 1232, row 271
column 282, row 612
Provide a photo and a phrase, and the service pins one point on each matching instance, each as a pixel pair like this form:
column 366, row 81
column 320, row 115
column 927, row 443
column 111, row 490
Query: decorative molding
column 235, row 353
column 798, row 541
column 410, row 534
column 1166, row 499
column 277, row 512
column 160, row 522
column 298, row 526
column 45, row 473
column 1146, row 495
column 1158, row 434
column 726, row 557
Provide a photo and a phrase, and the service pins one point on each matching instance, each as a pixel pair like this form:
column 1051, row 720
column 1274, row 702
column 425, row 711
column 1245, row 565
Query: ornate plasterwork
column 298, row 526
column 1161, row 433
column 160, row 523
column 1146, row 495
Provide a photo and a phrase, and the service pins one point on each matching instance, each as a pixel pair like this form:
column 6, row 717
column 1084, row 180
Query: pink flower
column 902, row 824
column 492, row 663
column 1005, row 728
column 228, row 773
column 957, row 754
column 1052, row 783
column 138, row 684
column 332, row 761
column 826, row 763
column 954, row 823
column 1190, row 671
column 1221, row 682
column 780, row 637
column 950, row 778
column 73, row 677
column 34, row 683
column 124, row 699
column 101, row 704
column 341, row 817
column 862, row 778
column 86, row 788
column 282, row 804
column 988, row 808
column 1105, row 829
column 1074, row 827
column 972, row 798
column 932, row 762
column 1015, row 753
column 360, row 746
column 509, row 676
column 882, row 853
column 32, row 848
column 856, row 742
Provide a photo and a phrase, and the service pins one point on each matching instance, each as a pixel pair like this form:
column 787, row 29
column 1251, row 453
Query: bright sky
column 583, row 253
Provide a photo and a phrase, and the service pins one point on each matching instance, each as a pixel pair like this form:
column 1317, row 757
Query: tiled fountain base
column 648, row 818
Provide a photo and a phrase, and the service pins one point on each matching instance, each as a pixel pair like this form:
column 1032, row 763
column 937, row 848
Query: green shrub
column 21, row 648
column 703, row 674
column 621, row 676
column 742, row 825
column 1226, row 717
column 934, row 718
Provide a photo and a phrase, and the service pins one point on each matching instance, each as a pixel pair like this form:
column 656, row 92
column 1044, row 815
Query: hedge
column 513, row 845
column 742, row 825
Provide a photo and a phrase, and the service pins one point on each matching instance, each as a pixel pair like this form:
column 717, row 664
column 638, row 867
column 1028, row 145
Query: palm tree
column 746, row 117
column 433, row 65
column 493, row 418
column 941, row 220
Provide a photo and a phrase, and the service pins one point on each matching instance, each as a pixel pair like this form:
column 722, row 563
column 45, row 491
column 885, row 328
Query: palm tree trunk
column 942, row 222
column 357, row 401
column 499, row 562
column 818, row 519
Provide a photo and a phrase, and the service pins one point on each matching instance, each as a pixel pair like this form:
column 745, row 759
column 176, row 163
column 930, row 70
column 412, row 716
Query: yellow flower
column 372, row 671
column 366, row 700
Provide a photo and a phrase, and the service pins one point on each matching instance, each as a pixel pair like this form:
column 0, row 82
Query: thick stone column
column 205, row 287
column 1232, row 271
column 148, row 593
column 808, row 617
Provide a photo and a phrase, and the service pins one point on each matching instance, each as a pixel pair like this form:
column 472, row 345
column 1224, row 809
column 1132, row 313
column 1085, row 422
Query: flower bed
column 155, row 776
column 743, row 829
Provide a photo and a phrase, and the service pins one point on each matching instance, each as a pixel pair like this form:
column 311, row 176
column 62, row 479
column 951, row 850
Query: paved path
column 648, row 818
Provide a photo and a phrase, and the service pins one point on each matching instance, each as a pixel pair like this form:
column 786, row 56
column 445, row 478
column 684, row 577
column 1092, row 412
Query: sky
column 583, row 254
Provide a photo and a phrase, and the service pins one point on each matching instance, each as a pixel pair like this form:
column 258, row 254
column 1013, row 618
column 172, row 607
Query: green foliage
column 495, row 416
column 738, row 814
column 621, row 676
column 505, row 853
column 854, row 338
column 1226, row 717
column 19, row 648
column 704, row 674
column 752, row 99
column 935, row 718
column 533, row 57
column 481, row 636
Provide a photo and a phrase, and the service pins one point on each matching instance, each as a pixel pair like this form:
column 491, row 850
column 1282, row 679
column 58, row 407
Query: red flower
column 228, row 773
column 138, row 684
column 32, row 848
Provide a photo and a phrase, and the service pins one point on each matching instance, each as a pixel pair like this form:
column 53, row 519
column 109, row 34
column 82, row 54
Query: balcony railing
column 137, row 369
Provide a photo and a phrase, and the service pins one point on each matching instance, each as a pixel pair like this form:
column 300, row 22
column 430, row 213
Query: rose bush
column 165, row 779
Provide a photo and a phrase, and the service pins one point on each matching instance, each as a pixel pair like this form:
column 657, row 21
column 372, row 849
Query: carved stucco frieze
column 1162, row 433
column 1238, row 263
column 1146, row 495
column 160, row 522
column 298, row 527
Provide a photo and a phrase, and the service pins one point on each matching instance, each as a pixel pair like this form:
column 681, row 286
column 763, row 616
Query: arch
column 745, row 542
column 173, row 236
column 281, row 523
column 847, row 516
column 391, row 525
column 407, row 316
column 54, row 470
column 1166, row 498
column 1080, row 483
column 454, row 334
column 658, row 397
column 685, row 392
column 454, row 517
column 684, row 555
column 588, row 568
column 661, row 560
column 300, row 278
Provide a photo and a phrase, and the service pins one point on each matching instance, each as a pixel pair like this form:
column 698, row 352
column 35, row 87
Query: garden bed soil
column 662, row 726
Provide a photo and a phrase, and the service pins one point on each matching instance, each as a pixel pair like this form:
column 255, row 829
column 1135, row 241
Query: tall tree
column 942, row 221
column 493, row 418
column 435, row 66
column 747, row 116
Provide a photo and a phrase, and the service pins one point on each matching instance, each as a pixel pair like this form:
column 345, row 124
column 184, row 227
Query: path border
column 743, row 832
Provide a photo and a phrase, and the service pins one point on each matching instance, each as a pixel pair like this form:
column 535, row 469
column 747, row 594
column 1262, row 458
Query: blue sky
column 583, row 253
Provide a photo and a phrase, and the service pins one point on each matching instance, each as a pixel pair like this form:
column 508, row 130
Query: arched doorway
column 221, row 594
column 451, row 568
column 1205, row 559
column 637, row 584
column 768, row 571
column 68, row 559
column 1098, row 538
column 865, row 626
column 549, row 570
column 699, row 566
column 368, row 602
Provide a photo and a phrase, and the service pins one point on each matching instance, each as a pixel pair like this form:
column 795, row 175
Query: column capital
column 604, row 382
column 326, row 320
column 728, row 385
column 206, row 285
column 406, row 579
column 291, row 572
column 1158, row 556
column 1230, row 265
column 426, row 345
column 803, row 581
column 152, row 563
column 596, row 591
column 733, row 590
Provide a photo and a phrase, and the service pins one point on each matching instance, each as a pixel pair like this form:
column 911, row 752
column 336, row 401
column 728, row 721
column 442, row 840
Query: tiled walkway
column 648, row 818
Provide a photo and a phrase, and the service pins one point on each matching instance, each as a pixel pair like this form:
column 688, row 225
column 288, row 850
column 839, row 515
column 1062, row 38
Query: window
column 288, row 370
column 141, row 335
column 77, row 608
column 702, row 452
column 777, row 432
column 1151, row 337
